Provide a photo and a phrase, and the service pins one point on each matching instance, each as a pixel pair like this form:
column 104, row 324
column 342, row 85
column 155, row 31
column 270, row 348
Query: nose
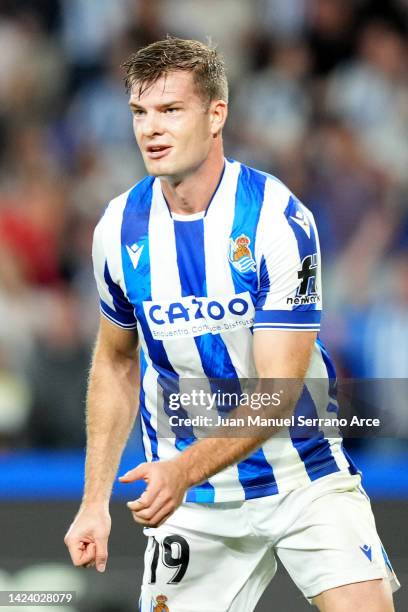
column 151, row 124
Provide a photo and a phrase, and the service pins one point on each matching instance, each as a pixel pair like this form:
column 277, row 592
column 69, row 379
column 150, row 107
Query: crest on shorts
column 159, row 604
column 240, row 254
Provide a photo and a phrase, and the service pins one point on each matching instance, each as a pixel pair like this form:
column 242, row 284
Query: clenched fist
column 87, row 537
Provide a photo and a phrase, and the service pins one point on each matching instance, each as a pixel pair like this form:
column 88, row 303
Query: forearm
column 282, row 372
column 211, row 455
column 208, row 457
column 112, row 405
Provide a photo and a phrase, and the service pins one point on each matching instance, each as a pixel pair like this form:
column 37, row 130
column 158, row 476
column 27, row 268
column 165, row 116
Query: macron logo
column 302, row 221
column 134, row 252
column 366, row 549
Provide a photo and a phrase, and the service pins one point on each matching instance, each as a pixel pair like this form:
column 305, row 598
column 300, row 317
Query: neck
column 193, row 193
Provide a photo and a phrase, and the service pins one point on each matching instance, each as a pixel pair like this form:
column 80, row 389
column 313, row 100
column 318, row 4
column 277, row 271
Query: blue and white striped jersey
column 196, row 288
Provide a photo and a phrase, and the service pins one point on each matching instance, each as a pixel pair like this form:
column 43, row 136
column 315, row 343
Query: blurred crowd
column 319, row 97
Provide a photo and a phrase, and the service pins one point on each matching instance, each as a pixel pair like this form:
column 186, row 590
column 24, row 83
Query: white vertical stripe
column 150, row 387
column 279, row 452
column 113, row 240
column 146, row 441
column 318, row 383
column 154, row 403
column 165, row 282
column 182, row 353
column 217, row 231
column 312, row 222
column 277, row 243
column 106, row 247
column 287, row 466
column 99, row 260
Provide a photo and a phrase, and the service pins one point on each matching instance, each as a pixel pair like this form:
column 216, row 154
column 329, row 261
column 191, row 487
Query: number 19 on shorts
column 173, row 554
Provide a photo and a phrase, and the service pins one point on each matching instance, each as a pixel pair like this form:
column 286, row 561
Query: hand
column 166, row 486
column 87, row 537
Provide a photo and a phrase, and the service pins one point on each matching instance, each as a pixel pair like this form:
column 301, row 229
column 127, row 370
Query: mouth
column 157, row 151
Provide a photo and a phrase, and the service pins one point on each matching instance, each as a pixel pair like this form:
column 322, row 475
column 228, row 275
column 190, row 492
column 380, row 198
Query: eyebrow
column 166, row 105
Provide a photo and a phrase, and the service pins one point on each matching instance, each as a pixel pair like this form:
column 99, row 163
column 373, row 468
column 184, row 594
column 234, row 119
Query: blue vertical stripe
column 386, row 559
column 135, row 227
column 189, row 236
column 255, row 471
column 353, row 469
column 313, row 448
column 314, row 451
column 123, row 311
column 331, row 372
column 214, row 356
column 248, row 204
column 191, row 257
column 264, row 284
column 306, row 246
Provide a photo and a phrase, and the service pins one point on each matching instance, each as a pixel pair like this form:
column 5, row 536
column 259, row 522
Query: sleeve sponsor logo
column 195, row 316
column 307, row 292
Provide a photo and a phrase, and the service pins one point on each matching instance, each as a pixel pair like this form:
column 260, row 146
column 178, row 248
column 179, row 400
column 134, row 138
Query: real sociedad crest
column 240, row 255
column 160, row 604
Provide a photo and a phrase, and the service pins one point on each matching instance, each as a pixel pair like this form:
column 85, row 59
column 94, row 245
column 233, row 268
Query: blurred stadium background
column 319, row 97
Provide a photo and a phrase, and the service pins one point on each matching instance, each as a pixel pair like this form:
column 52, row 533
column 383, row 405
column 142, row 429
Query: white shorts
column 220, row 557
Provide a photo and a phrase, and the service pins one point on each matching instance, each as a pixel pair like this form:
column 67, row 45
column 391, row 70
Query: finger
column 153, row 522
column 101, row 554
column 77, row 550
column 138, row 473
column 86, row 556
column 135, row 505
column 140, row 521
column 147, row 511
column 161, row 515
column 147, row 498
column 142, row 502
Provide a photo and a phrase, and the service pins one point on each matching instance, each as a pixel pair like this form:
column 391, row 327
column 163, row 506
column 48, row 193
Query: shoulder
column 279, row 201
column 134, row 193
column 115, row 207
column 282, row 216
column 276, row 195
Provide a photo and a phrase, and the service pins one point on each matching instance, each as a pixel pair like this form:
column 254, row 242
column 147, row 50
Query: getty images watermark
column 183, row 404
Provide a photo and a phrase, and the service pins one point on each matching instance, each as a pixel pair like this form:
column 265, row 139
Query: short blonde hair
column 149, row 63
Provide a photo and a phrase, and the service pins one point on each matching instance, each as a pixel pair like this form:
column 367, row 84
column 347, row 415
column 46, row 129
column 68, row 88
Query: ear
column 218, row 115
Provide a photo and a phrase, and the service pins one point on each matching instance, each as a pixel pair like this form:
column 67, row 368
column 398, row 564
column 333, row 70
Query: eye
column 172, row 110
column 137, row 112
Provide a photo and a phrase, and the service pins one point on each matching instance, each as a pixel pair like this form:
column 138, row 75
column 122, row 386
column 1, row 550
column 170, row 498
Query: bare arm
column 278, row 355
column 112, row 405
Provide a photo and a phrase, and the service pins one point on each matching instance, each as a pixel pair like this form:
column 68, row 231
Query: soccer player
column 214, row 268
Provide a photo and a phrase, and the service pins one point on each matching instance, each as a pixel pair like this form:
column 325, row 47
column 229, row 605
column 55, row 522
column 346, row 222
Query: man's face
column 172, row 125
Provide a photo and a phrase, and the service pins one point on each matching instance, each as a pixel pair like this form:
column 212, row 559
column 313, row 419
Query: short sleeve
column 114, row 304
column 289, row 295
